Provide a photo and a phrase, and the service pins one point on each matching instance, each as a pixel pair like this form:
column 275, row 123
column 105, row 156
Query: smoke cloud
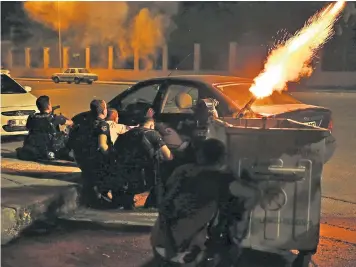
column 139, row 28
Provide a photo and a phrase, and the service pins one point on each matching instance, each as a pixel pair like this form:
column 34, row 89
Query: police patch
column 104, row 128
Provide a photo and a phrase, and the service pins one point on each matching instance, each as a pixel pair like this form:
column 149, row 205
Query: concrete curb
column 97, row 82
column 15, row 218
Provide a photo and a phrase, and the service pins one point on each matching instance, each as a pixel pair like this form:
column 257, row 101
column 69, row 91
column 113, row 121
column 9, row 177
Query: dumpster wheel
column 304, row 259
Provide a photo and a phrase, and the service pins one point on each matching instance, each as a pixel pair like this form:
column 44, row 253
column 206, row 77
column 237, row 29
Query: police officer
column 196, row 196
column 44, row 136
column 95, row 160
column 136, row 152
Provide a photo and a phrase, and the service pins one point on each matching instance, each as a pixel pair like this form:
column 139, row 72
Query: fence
column 236, row 59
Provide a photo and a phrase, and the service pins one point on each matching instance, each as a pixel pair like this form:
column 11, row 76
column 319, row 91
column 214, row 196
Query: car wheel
column 89, row 82
column 76, row 80
column 56, row 79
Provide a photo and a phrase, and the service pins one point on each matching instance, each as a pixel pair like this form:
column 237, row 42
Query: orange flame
column 137, row 28
column 291, row 61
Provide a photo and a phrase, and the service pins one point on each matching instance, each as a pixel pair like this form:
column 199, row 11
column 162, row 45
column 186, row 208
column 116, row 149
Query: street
column 74, row 245
column 87, row 247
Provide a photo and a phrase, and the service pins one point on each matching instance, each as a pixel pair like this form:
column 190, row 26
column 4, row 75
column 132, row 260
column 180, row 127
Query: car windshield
column 240, row 94
column 84, row 71
column 113, row 103
column 9, row 86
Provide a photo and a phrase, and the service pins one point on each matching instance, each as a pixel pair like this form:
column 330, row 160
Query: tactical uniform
column 134, row 171
column 94, row 164
column 194, row 194
column 45, row 139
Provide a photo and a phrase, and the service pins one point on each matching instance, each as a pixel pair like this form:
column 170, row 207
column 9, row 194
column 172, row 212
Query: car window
column 72, row 71
column 9, row 86
column 241, row 94
column 67, row 71
column 175, row 91
column 144, row 94
column 83, row 71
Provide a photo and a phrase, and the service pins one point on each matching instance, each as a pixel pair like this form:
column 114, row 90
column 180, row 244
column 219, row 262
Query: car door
column 133, row 103
column 72, row 75
column 65, row 75
column 180, row 119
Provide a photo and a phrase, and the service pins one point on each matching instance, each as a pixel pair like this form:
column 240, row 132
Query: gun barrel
column 56, row 107
column 246, row 107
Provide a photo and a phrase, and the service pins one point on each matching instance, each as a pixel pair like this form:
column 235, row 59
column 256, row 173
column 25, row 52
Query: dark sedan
column 233, row 93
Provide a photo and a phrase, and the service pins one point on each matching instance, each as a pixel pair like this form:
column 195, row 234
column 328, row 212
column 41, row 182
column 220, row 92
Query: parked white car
column 16, row 104
column 76, row 75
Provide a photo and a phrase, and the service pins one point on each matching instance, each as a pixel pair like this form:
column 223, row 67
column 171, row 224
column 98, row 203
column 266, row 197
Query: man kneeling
column 201, row 199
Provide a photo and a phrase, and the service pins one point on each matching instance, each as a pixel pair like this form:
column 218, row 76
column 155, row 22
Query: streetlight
column 59, row 37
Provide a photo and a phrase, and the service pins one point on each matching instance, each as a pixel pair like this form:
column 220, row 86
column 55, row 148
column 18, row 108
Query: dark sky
column 201, row 19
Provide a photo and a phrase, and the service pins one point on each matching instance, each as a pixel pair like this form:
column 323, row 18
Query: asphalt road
column 74, row 98
column 104, row 248
column 80, row 246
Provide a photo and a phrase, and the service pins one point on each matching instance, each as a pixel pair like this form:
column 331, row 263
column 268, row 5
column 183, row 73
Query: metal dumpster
column 286, row 158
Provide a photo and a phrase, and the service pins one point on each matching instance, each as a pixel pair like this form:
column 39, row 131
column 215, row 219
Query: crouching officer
column 44, row 140
column 135, row 155
column 195, row 212
column 96, row 159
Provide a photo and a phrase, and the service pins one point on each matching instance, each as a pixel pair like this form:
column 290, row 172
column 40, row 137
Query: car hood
column 17, row 100
column 271, row 110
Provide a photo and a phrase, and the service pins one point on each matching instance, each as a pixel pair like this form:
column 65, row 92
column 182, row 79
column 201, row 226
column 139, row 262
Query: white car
column 76, row 75
column 16, row 104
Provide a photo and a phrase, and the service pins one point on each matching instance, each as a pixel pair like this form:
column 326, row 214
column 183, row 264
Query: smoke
column 136, row 28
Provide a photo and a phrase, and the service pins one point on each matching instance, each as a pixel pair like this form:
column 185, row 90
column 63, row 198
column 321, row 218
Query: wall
column 238, row 65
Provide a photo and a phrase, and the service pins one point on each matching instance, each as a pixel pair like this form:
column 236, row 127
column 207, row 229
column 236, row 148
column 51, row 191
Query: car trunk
column 312, row 115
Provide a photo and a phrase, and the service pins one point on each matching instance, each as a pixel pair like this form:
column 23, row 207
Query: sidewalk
column 32, row 191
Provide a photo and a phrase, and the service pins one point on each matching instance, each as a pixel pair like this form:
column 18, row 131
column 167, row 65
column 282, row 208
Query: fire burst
column 291, row 61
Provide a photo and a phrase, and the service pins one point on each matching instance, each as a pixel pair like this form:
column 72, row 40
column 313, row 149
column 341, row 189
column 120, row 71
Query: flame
column 139, row 28
column 291, row 61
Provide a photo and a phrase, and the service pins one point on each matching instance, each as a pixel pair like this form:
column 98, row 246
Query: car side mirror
column 27, row 89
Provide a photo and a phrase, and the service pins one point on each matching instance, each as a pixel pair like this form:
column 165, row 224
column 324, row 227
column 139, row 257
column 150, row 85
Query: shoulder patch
column 104, row 128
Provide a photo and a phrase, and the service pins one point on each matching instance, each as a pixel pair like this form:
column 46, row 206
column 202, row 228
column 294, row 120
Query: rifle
column 55, row 107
